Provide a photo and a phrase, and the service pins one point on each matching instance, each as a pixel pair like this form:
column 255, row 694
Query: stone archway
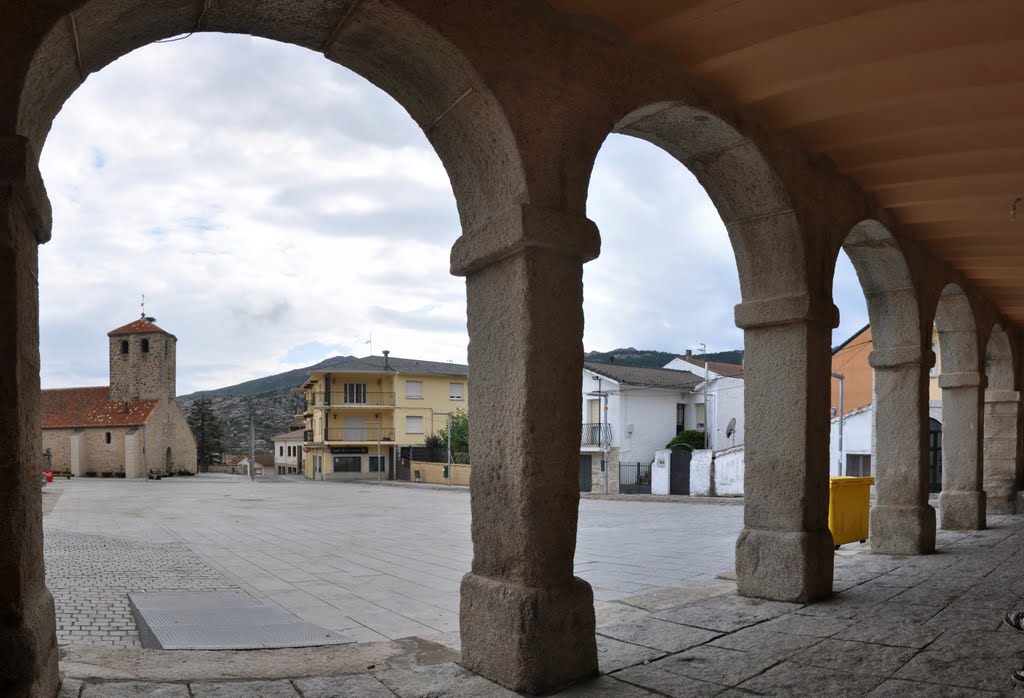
column 962, row 501
column 1001, row 425
column 52, row 48
column 785, row 550
column 902, row 521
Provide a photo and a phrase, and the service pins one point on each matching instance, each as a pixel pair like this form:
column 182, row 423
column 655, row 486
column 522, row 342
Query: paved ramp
column 221, row 621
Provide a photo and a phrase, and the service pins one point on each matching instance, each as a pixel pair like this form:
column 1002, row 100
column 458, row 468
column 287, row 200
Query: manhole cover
column 216, row 620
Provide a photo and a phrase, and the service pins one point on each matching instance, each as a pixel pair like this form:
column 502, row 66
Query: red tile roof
column 91, row 407
column 141, row 326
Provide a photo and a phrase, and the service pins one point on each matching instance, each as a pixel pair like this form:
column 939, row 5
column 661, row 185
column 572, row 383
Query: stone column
column 902, row 521
column 962, row 502
column 785, row 550
column 28, row 639
column 526, row 621
column 1002, row 414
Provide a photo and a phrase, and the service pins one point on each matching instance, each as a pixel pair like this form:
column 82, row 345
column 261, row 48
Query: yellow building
column 361, row 412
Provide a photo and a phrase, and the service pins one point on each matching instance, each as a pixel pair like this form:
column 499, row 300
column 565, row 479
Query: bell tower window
column 145, row 346
column 124, row 346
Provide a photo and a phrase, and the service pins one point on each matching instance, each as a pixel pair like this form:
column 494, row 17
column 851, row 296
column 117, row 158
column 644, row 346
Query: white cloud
column 273, row 207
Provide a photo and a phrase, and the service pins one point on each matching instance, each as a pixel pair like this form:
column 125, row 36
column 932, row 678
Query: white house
column 288, row 451
column 628, row 413
column 724, row 395
column 856, row 458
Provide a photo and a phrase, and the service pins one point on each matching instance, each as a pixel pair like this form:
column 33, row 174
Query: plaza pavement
column 372, row 562
column 896, row 626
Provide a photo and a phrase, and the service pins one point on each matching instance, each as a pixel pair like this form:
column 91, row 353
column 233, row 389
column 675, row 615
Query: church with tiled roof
column 130, row 428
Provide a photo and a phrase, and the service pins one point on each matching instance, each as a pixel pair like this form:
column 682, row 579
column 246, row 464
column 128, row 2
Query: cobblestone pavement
column 371, row 562
column 896, row 626
column 90, row 576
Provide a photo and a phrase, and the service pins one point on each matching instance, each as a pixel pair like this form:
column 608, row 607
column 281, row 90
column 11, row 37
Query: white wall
column 652, row 415
column 858, row 437
column 725, row 397
column 293, row 444
column 728, row 473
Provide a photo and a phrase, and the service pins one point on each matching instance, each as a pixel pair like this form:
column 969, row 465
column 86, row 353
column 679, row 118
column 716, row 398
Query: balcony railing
column 596, row 435
column 359, row 434
column 350, row 397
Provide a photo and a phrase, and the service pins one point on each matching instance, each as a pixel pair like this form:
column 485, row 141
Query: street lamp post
column 602, row 427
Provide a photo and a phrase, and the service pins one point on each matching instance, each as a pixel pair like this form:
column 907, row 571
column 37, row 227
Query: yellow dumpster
column 848, row 508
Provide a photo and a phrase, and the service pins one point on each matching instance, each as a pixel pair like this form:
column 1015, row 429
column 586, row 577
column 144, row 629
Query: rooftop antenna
column 370, row 342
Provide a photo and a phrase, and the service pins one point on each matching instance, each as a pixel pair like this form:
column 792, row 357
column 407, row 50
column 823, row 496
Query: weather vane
column 143, row 304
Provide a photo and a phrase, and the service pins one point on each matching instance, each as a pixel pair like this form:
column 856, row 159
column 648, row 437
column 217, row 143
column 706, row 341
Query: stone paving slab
column 936, row 632
column 372, row 581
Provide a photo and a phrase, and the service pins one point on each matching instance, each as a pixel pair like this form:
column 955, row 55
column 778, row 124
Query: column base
column 902, row 530
column 28, row 651
column 1001, row 497
column 791, row 566
column 962, row 511
column 529, row 639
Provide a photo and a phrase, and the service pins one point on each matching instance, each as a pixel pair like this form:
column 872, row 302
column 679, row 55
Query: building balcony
column 359, row 434
column 596, row 435
column 346, row 398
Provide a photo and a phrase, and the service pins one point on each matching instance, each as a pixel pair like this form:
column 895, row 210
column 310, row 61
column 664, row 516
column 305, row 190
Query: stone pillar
column 28, row 638
column 785, row 550
column 962, row 502
column 1002, row 414
column 902, row 521
column 526, row 621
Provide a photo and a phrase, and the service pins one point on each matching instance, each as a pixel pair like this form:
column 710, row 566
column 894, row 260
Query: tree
column 207, row 429
column 460, row 436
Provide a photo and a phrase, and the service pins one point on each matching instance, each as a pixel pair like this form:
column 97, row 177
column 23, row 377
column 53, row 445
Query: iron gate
column 635, row 478
column 679, row 471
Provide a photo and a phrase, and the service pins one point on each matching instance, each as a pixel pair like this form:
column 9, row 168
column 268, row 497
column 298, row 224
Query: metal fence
column 635, row 478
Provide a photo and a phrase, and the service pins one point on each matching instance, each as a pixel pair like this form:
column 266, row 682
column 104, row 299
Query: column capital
column 963, row 379
column 19, row 173
column 894, row 357
column 523, row 227
column 784, row 310
column 1002, row 396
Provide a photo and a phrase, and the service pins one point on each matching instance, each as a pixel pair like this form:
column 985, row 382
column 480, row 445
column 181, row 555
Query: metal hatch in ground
column 217, row 620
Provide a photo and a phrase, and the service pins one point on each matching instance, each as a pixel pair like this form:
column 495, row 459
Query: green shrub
column 692, row 439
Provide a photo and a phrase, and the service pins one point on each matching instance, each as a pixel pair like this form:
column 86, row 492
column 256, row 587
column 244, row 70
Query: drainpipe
column 841, row 378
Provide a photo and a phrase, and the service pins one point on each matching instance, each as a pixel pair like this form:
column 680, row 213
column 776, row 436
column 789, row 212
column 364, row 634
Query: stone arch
column 902, row 521
column 962, row 504
column 787, row 327
column 381, row 41
column 957, row 330
column 746, row 190
column 1002, row 469
column 887, row 283
column 999, row 364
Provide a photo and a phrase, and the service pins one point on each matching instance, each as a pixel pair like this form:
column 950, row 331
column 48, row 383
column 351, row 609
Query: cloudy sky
column 277, row 209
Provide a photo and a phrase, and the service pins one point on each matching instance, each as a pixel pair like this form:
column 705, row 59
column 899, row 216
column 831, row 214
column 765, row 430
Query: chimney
column 386, row 352
column 689, row 353
column 611, row 359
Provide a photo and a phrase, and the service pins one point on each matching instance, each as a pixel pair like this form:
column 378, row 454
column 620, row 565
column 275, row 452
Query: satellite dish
column 731, row 429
